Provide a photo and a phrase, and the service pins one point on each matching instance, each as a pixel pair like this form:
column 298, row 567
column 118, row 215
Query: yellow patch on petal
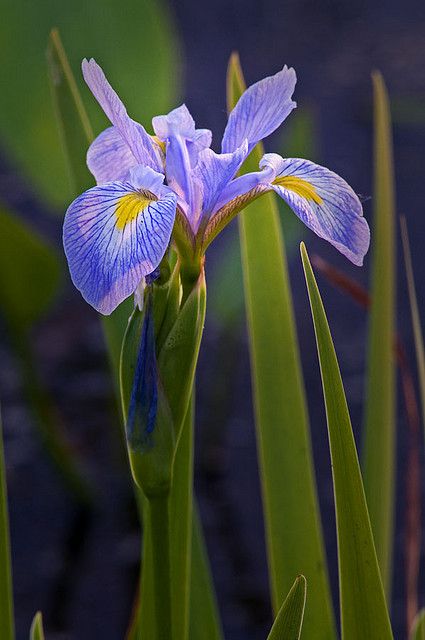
column 159, row 142
column 129, row 206
column 300, row 187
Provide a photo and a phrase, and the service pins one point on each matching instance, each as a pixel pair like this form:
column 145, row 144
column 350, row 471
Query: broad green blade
column 27, row 285
column 37, row 632
column 416, row 320
column 418, row 631
column 136, row 45
column 289, row 621
column 362, row 600
column 7, row 625
column 293, row 529
column 379, row 435
column 204, row 615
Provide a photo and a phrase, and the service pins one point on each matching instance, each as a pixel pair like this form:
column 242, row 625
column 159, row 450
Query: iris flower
column 117, row 232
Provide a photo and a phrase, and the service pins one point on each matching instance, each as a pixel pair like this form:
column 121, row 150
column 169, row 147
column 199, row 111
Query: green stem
column 189, row 275
column 160, row 546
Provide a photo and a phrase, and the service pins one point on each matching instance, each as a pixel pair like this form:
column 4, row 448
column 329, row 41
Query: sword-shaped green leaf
column 293, row 529
column 289, row 621
column 37, row 632
column 379, row 436
column 362, row 600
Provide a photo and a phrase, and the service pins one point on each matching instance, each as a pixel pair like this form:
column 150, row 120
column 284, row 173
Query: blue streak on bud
column 144, row 394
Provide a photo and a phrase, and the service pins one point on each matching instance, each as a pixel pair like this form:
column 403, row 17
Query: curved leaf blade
column 289, row 621
column 379, row 435
column 37, row 632
column 291, row 515
column 364, row 611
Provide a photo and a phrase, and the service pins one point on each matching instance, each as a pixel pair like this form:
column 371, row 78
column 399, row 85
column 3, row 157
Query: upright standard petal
column 109, row 157
column 140, row 143
column 323, row 201
column 117, row 233
column 178, row 122
column 260, row 110
column 183, row 144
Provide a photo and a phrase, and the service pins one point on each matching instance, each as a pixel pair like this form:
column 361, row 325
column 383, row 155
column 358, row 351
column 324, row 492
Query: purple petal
column 323, row 201
column 215, row 171
column 109, row 157
column 139, row 142
column 117, row 233
column 178, row 122
column 183, row 145
column 260, row 110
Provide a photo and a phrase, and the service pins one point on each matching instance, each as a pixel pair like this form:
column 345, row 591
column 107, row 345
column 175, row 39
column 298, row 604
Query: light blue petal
column 242, row 185
column 109, row 157
column 183, row 145
column 215, row 171
column 140, row 143
column 180, row 178
column 178, row 122
column 117, row 233
column 260, row 110
column 201, row 141
column 323, row 201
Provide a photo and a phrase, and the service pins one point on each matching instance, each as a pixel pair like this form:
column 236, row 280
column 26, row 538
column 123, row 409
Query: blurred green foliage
column 363, row 608
column 29, row 273
column 135, row 44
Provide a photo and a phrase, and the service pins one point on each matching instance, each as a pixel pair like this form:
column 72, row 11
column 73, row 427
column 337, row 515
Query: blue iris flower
column 117, row 232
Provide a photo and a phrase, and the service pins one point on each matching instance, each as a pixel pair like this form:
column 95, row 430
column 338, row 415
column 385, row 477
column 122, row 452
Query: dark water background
column 81, row 572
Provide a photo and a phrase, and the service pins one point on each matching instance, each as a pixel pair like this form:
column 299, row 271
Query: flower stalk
column 159, row 522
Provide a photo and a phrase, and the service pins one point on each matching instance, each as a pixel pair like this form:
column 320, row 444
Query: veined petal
column 117, row 233
column 178, row 170
column 140, row 143
column 178, row 122
column 183, row 144
column 215, row 171
column 109, row 157
column 260, row 110
column 242, row 185
column 201, row 141
column 323, row 201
